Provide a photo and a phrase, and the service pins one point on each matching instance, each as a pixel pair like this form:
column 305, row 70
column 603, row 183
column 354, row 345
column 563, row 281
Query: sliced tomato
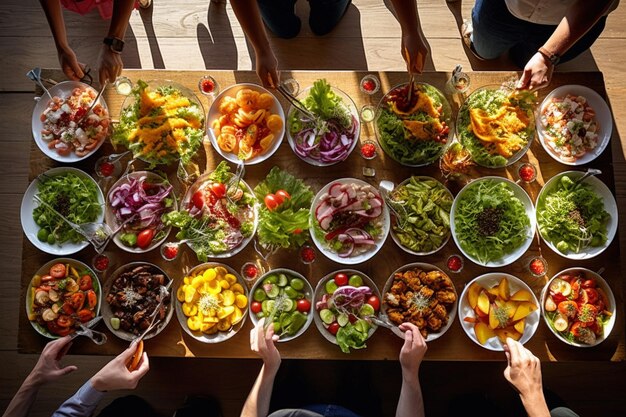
column 65, row 321
column 218, row 189
column 67, row 308
column 297, row 231
column 58, row 270
column 54, row 328
column 575, row 289
column 77, row 300
column 92, row 299
column 144, row 238
column 85, row 315
column 282, row 195
column 568, row 308
column 575, row 329
column 270, row 202
column 589, row 283
column 592, row 295
column 583, row 298
column 85, row 282
column 198, row 200
column 587, row 314
column 333, row 328
column 47, row 278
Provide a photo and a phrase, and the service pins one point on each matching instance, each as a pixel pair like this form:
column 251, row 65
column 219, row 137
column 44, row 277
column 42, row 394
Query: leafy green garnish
column 323, row 102
column 348, row 337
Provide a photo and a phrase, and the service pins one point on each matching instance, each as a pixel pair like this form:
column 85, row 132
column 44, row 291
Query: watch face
column 116, row 45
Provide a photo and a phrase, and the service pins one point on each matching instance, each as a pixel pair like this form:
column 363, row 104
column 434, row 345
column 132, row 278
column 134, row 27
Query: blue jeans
column 317, row 410
column 496, row 31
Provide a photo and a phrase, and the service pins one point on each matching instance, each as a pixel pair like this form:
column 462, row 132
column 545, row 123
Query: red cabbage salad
column 331, row 135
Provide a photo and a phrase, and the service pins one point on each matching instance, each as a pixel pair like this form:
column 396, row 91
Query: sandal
column 466, row 36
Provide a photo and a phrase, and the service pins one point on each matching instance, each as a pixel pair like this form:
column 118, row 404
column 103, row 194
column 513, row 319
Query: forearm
column 54, row 15
column 579, row 19
column 258, row 401
column 81, row 404
column 249, row 17
column 23, row 399
column 535, row 405
column 411, row 402
column 407, row 15
column 121, row 14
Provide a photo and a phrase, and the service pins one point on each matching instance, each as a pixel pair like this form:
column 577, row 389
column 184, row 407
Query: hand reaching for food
column 414, row 52
column 70, row 65
column 48, row 367
column 262, row 343
column 109, row 65
column 413, row 350
column 537, row 73
column 267, row 69
column 115, row 375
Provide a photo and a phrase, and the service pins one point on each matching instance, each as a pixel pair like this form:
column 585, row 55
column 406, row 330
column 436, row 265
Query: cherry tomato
column 84, row 283
column 92, row 299
column 65, row 321
column 255, row 307
column 279, row 199
column 198, row 200
column 57, row 270
column 352, row 318
column 85, row 315
column 283, row 195
column 333, row 328
column 218, row 189
column 47, row 278
column 575, row 329
column 297, row 231
column 77, row 300
column 592, row 295
column 67, row 308
column 568, row 308
column 374, row 301
column 144, row 238
column 589, row 283
column 54, row 328
column 341, row 279
column 303, row 305
column 270, row 202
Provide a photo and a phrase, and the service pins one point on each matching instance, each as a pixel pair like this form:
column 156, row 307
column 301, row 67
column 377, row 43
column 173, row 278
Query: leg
column 326, row 14
column 495, row 29
column 280, row 18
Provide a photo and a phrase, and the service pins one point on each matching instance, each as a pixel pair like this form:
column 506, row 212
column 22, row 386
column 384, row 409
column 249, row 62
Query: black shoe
column 326, row 14
column 280, row 17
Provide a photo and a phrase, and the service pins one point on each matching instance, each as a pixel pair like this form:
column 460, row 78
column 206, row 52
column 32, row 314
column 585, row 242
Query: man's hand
column 109, row 65
column 70, row 65
column 262, row 343
column 413, row 350
column 537, row 73
column 414, row 52
column 48, row 367
column 267, row 69
column 523, row 370
column 115, row 375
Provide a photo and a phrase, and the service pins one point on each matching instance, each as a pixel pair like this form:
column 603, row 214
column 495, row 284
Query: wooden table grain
column 383, row 345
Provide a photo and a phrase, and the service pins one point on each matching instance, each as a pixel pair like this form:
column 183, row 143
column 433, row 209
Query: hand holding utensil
column 383, row 321
column 411, row 77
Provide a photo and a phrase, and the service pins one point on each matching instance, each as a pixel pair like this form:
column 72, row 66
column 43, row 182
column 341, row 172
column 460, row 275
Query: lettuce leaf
column 349, row 337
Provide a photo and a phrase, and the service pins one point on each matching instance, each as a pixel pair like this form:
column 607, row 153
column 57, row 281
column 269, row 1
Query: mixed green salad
column 286, row 223
column 427, row 202
column 161, row 125
column 214, row 225
column 72, row 195
column 572, row 217
column 490, row 221
column 414, row 133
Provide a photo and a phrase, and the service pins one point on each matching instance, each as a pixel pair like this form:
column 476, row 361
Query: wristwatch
column 553, row 58
column 115, row 44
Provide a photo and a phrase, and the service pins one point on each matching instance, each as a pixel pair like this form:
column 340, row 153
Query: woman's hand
column 70, row 65
column 414, row 52
column 537, row 73
column 48, row 367
column 267, row 69
column 413, row 350
column 115, row 375
column 109, row 65
column 262, row 343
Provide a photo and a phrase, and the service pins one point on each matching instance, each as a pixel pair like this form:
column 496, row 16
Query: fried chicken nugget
column 446, row 296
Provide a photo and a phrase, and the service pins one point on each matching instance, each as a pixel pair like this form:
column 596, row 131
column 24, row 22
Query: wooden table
column 383, row 345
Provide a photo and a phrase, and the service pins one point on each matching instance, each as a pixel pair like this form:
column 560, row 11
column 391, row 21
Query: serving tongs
column 35, row 75
column 88, row 112
column 295, row 102
column 163, row 291
column 383, row 321
column 386, row 187
column 590, row 172
column 411, row 77
column 234, row 181
column 97, row 337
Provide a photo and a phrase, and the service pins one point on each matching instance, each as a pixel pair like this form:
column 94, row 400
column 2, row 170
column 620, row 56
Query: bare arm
column 580, row 18
column 249, row 16
column 413, row 46
column 67, row 58
column 109, row 62
column 411, row 402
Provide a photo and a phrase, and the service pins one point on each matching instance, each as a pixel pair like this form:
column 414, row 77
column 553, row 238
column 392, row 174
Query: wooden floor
column 202, row 34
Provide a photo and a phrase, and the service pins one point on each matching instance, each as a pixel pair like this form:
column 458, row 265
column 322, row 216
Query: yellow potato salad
column 212, row 300
column 246, row 127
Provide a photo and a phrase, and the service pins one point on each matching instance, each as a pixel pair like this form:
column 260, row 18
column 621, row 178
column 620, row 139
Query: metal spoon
column 35, row 75
column 385, row 188
column 590, row 172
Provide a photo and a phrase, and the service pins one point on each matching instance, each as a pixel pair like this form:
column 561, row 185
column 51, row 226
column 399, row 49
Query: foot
column 280, row 17
column 326, row 14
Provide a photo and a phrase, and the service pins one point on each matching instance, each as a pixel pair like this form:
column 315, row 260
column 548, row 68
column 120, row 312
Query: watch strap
column 552, row 57
column 115, row 44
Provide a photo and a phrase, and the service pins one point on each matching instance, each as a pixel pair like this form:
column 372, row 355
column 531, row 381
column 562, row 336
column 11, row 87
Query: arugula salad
column 572, row 217
column 283, row 224
column 490, row 221
column 215, row 226
column 161, row 125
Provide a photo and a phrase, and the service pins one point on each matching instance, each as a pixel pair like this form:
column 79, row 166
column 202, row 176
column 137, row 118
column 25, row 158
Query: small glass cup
column 370, row 84
column 369, row 172
column 538, row 266
column 106, row 169
column 307, row 254
column 123, row 85
column 208, row 86
column 101, row 262
column 454, row 263
column 368, row 113
column 291, row 85
column 251, row 271
column 527, row 173
column 170, row 251
column 369, row 149
column 459, row 83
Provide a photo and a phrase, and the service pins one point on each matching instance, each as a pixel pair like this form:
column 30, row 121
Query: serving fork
column 385, row 188
column 163, row 291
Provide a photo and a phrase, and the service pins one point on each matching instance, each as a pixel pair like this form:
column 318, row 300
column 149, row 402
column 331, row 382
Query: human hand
column 523, row 370
column 48, row 367
column 115, row 375
column 109, row 65
column 70, row 65
column 262, row 343
column 413, row 350
column 537, row 73
column 414, row 52
column 267, row 69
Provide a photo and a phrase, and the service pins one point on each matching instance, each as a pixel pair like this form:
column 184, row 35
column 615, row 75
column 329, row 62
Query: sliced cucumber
column 272, row 279
column 327, row 316
column 267, row 306
column 288, row 304
column 290, row 292
column 259, row 294
column 273, row 291
column 282, row 280
column 297, row 284
column 366, row 310
column 330, row 286
column 362, row 326
column 343, row 319
column 355, row 281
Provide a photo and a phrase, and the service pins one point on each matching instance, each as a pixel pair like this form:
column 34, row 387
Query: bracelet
column 553, row 58
column 115, row 44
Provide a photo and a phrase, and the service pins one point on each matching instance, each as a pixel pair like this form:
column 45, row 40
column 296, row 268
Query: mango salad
column 212, row 300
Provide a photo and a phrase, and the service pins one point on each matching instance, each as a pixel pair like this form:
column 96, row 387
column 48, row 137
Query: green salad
column 427, row 224
column 286, row 224
column 161, row 126
column 414, row 133
column 73, row 196
column 490, row 221
column 572, row 217
column 508, row 126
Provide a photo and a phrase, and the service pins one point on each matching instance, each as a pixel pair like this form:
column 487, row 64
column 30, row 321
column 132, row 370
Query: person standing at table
column 538, row 33
column 410, row 403
column 110, row 58
column 279, row 17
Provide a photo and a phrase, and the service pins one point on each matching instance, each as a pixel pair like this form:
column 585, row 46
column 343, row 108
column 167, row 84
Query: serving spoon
column 35, row 75
column 590, row 172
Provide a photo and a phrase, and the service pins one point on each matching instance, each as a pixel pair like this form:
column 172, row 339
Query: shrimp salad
column 61, row 129
column 570, row 126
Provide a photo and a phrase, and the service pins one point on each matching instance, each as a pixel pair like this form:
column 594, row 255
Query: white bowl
column 530, row 212
column 608, row 327
column 603, row 118
column 489, row 280
column 30, row 227
column 214, row 114
column 609, row 205
column 63, row 90
column 321, row 245
column 307, row 290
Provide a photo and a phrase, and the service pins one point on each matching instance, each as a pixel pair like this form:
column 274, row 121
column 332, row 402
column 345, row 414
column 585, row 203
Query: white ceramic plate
column 361, row 257
column 488, row 281
column 426, row 268
column 603, row 118
column 215, row 114
column 30, row 227
column 602, row 191
column 612, row 307
column 307, row 290
column 530, row 212
column 63, row 90
column 219, row 336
